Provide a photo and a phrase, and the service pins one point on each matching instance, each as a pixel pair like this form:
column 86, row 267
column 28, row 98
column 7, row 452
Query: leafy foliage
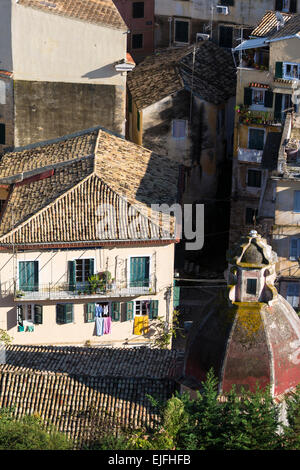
column 163, row 334
column 244, row 421
column 29, row 433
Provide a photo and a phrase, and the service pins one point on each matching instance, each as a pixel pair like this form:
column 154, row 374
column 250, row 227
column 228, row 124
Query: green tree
column 29, row 433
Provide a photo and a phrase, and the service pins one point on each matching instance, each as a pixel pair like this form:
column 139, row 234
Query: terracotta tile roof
column 76, row 389
column 102, row 12
column 170, row 70
column 291, row 28
column 268, row 24
column 95, row 170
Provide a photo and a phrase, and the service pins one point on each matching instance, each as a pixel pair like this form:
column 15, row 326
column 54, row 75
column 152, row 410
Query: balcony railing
column 65, row 291
column 250, row 155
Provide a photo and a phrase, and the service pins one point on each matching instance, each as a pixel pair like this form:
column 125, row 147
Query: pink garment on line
column 106, row 325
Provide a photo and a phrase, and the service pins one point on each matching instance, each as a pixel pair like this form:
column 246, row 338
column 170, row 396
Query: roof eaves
column 296, row 35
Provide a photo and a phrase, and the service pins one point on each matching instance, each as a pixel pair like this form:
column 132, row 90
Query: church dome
column 247, row 342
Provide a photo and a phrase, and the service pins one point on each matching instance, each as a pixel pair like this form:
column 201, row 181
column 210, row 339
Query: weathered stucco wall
column 53, row 268
column 5, row 36
column 64, row 49
column 47, row 110
column 7, row 110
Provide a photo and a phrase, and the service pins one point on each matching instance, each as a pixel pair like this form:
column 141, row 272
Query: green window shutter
column 153, row 312
column 247, row 96
column 115, row 311
column 71, row 275
column 60, row 314
column 29, row 275
column 68, row 313
column 268, row 99
column 278, row 106
column 139, row 271
column 90, row 313
column 176, row 296
column 256, row 139
column 92, row 266
column 278, row 69
column 129, row 310
column 38, row 314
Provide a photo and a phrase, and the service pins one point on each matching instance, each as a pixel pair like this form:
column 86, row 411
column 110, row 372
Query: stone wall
column 48, row 110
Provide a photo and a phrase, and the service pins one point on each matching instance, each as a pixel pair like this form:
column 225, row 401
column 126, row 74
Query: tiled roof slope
column 168, row 71
column 268, row 24
column 42, row 155
column 102, row 12
column 78, row 389
column 291, row 28
column 64, row 206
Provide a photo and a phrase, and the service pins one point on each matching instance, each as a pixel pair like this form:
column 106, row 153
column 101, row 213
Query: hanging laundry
column 98, row 310
column 105, row 311
column 99, row 326
column 107, row 325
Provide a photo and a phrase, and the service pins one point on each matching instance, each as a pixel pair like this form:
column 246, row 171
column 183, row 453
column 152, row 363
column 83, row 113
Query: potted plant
column 19, row 293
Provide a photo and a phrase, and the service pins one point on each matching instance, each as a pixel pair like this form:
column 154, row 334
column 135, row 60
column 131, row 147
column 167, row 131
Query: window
column 64, row 313
column 256, row 139
column 227, row 3
column 286, row 5
column 251, row 215
column 2, row 134
column 296, row 201
column 147, row 307
column 179, row 128
column 258, row 96
column 79, row 272
column 254, row 178
column 28, row 315
column 291, row 70
column 225, row 36
column 129, row 102
column 294, row 248
column 138, row 10
column 251, row 286
column 293, row 294
column 139, row 271
column 29, row 276
column 181, row 33
column 137, row 41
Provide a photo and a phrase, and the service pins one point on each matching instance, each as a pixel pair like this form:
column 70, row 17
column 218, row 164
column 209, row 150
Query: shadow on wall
column 103, row 72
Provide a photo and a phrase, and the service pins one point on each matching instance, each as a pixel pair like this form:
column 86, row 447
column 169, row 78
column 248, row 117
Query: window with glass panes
column 84, row 268
column 291, row 70
column 251, row 286
column 293, row 294
column 294, row 248
column 296, row 201
column 138, row 10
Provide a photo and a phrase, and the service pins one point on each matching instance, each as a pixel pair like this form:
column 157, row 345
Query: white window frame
column 294, row 298
column 83, row 259
column 135, row 302
column 27, row 321
column 185, row 20
column 258, row 105
column 289, row 77
column 291, row 257
column 257, row 129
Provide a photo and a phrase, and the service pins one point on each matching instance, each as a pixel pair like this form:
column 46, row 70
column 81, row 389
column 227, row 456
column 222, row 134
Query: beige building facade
column 84, row 258
column 68, row 80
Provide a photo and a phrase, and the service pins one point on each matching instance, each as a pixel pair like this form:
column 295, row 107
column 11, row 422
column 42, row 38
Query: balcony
column 250, row 117
column 85, row 291
column 250, row 155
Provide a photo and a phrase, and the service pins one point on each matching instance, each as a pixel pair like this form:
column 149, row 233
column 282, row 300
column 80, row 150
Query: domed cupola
column 251, row 335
